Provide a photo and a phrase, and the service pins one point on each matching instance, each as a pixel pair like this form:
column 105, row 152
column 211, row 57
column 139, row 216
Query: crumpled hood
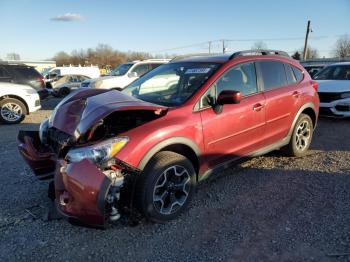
column 333, row 86
column 79, row 111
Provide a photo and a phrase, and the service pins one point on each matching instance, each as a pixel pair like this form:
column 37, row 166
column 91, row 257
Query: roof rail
column 259, row 52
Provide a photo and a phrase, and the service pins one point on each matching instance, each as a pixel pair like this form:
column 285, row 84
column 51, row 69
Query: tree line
column 103, row 56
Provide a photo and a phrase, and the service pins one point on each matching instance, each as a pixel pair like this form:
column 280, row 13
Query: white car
column 124, row 74
column 89, row 71
column 17, row 101
column 334, row 89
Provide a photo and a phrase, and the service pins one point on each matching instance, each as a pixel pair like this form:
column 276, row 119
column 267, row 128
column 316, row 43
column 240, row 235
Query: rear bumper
column 80, row 188
column 340, row 108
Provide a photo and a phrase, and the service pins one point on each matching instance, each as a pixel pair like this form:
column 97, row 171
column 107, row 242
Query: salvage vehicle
column 63, row 85
column 124, row 74
column 334, row 90
column 17, row 101
column 113, row 151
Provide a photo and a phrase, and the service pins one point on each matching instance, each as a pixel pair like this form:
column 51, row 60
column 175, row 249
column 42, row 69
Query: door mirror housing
column 229, row 97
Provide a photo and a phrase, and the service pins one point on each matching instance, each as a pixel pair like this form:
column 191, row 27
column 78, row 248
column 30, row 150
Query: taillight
column 314, row 85
column 41, row 80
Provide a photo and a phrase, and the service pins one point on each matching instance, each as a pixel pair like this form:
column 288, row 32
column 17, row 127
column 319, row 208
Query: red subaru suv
column 148, row 145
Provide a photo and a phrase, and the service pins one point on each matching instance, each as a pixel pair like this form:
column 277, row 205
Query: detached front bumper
column 340, row 108
column 80, row 188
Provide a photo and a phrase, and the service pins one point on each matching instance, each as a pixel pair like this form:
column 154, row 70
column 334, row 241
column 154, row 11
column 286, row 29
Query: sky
column 38, row 29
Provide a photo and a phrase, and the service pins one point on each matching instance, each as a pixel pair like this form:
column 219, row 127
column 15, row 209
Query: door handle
column 257, row 107
column 296, row 94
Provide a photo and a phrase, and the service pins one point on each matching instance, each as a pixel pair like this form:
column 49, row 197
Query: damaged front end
column 79, row 148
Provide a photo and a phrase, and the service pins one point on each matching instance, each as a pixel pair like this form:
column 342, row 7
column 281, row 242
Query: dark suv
column 148, row 145
column 23, row 74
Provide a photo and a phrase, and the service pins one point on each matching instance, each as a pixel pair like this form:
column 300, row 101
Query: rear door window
column 290, row 75
column 273, row 74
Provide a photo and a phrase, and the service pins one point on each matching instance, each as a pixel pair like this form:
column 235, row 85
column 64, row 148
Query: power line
column 211, row 43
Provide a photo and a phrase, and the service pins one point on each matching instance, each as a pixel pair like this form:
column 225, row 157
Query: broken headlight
column 98, row 153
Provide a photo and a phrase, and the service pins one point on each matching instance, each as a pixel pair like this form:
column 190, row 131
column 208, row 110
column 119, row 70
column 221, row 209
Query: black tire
column 5, row 118
column 64, row 91
column 296, row 147
column 149, row 186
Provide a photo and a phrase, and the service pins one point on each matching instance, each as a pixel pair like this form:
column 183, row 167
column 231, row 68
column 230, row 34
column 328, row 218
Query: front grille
column 328, row 97
column 57, row 139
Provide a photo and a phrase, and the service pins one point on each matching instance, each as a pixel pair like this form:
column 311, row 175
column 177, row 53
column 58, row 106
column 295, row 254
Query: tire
column 12, row 111
column 64, row 91
column 165, row 187
column 301, row 137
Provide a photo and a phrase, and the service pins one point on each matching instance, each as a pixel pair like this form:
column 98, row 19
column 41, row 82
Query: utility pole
column 308, row 30
column 209, row 46
column 223, row 46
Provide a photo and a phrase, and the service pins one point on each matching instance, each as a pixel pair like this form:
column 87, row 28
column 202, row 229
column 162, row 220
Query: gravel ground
column 271, row 208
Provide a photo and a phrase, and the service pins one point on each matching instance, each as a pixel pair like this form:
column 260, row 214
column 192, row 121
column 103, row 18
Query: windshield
column 171, row 84
column 341, row 72
column 120, row 70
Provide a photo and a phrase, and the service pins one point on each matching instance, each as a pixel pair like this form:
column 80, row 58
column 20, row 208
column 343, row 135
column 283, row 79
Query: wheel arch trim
column 165, row 143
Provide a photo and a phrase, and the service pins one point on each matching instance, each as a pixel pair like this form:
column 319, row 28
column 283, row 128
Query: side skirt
column 219, row 168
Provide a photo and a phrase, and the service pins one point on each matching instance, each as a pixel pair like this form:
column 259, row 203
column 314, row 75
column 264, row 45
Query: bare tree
column 342, row 47
column 310, row 53
column 13, row 56
column 259, row 45
column 103, row 55
column 62, row 58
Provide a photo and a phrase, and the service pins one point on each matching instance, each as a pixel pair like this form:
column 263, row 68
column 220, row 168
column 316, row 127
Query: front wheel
column 301, row 137
column 166, row 186
column 12, row 111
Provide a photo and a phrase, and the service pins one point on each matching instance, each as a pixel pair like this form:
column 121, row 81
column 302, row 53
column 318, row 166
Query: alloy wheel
column 11, row 112
column 171, row 190
column 303, row 135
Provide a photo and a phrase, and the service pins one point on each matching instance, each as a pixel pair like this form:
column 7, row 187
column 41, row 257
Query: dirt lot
column 270, row 208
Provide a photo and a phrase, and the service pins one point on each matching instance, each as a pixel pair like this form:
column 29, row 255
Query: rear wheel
column 301, row 137
column 12, row 111
column 166, row 186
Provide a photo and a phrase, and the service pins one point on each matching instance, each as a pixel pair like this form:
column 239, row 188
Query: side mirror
column 132, row 74
column 229, row 97
column 226, row 97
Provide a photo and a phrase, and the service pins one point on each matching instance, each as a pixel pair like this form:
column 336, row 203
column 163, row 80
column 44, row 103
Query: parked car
column 17, row 101
column 313, row 69
column 55, row 73
column 65, row 84
column 334, row 90
column 23, row 74
column 110, row 149
column 124, row 74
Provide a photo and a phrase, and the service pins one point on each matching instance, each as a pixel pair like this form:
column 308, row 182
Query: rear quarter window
column 297, row 73
column 290, row 75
